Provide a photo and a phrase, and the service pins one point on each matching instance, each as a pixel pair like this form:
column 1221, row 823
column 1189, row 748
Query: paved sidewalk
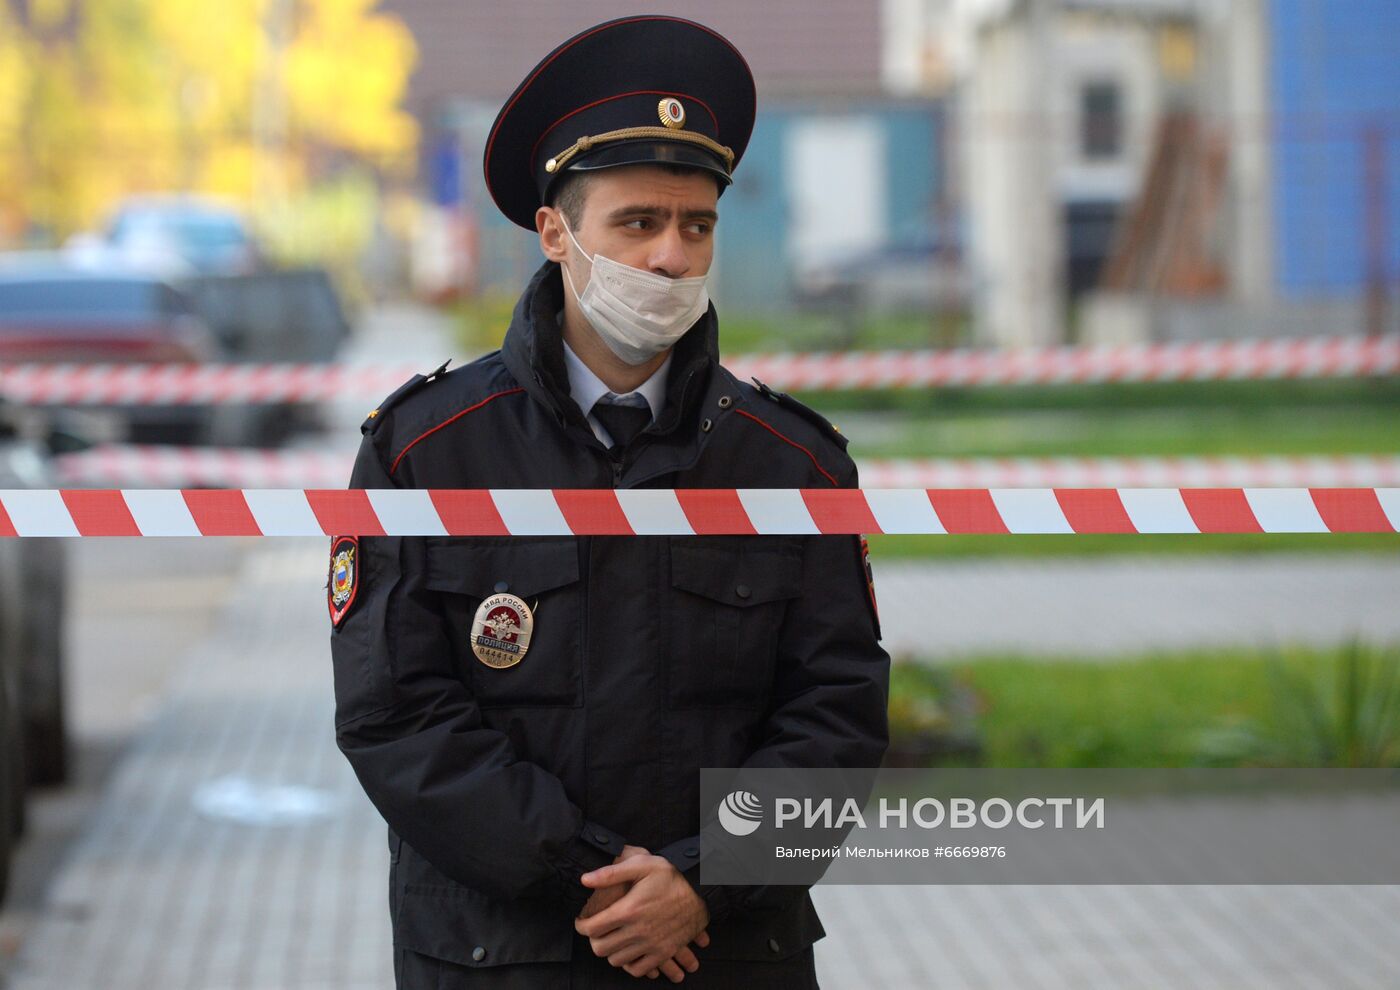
column 1203, row 938
column 1097, row 606
column 158, row 895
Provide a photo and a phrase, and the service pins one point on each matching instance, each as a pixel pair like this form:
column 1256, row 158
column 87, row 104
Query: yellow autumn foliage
column 246, row 99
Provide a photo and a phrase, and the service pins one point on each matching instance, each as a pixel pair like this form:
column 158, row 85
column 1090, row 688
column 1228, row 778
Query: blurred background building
column 1058, row 170
column 1171, row 168
column 1028, row 171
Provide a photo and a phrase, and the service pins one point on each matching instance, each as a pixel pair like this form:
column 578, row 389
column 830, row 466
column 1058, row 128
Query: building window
column 1100, row 120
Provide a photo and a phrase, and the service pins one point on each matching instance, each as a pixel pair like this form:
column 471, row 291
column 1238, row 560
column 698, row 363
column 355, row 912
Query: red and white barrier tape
column 1292, row 358
column 1331, row 471
column 182, row 384
column 222, row 467
column 196, row 384
column 686, row 512
column 135, row 465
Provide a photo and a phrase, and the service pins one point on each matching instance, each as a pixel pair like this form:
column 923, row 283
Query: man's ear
column 554, row 242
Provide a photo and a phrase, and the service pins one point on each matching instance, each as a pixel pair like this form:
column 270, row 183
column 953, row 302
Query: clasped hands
column 643, row 915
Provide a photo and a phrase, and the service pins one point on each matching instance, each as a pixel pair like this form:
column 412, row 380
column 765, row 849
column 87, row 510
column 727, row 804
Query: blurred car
column 294, row 315
column 51, row 311
column 174, row 235
column 290, row 315
column 33, row 731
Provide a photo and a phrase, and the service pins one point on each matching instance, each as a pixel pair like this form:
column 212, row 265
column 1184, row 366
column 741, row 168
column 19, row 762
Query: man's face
column 648, row 218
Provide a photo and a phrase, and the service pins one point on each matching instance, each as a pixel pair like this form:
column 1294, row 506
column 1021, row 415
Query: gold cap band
column 634, row 133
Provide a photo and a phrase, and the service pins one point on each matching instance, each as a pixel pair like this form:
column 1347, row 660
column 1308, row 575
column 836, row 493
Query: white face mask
column 637, row 313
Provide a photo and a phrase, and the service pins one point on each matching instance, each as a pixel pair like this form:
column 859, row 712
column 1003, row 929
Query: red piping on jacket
column 794, row 443
column 451, row 419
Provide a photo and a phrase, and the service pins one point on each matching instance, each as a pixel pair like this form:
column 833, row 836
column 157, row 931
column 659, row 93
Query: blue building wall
column 1335, row 71
column 753, row 270
column 751, row 266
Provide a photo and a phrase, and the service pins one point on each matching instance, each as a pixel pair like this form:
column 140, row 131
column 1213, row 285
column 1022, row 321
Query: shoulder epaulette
column 399, row 394
column 805, row 411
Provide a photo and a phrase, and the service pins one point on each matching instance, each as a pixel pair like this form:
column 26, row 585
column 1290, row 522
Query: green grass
column 1177, row 432
column 1189, row 419
column 1144, row 712
column 1107, row 397
column 480, row 324
column 1148, row 711
column 755, row 334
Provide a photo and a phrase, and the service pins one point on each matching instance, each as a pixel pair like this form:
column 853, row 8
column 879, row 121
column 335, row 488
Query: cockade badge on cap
column 672, row 113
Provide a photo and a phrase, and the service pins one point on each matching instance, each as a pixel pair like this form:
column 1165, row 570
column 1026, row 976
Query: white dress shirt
column 586, row 388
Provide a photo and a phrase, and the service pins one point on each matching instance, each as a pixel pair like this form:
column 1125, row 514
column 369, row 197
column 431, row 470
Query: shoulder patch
column 398, row 395
column 343, row 581
column 805, row 411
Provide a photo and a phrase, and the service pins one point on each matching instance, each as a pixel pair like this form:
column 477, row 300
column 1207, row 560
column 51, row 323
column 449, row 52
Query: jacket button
column 479, row 953
column 501, row 586
column 600, row 836
column 773, row 944
column 743, row 591
column 705, row 426
column 692, row 852
column 725, row 402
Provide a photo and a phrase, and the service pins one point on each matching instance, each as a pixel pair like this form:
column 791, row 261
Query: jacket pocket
column 463, row 926
column 728, row 599
column 766, row 935
column 544, row 573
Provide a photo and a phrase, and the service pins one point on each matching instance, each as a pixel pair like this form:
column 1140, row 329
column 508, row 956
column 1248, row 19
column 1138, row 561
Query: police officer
column 530, row 714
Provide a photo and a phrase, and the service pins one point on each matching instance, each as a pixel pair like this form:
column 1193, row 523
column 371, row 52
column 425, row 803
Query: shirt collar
column 586, row 388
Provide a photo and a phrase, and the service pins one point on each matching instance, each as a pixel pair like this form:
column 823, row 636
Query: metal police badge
column 343, row 580
column 501, row 631
column 672, row 113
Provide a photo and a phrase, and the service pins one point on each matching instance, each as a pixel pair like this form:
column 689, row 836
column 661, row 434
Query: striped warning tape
column 223, row 467
column 1318, row 471
column 1312, row 357
column 177, row 384
column 72, row 384
column 687, row 512
column 135, row 465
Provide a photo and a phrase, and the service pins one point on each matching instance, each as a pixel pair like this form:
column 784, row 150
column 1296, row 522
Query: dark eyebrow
column 662, row 213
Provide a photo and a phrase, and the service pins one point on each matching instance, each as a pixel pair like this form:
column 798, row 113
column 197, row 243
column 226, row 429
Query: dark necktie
column 622, row 421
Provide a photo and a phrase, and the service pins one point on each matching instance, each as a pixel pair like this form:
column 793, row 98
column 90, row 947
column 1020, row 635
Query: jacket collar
column 586, row 388
column 533, row 352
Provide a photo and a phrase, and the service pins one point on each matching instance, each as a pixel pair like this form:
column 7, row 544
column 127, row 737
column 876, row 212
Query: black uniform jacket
column 651, row 656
